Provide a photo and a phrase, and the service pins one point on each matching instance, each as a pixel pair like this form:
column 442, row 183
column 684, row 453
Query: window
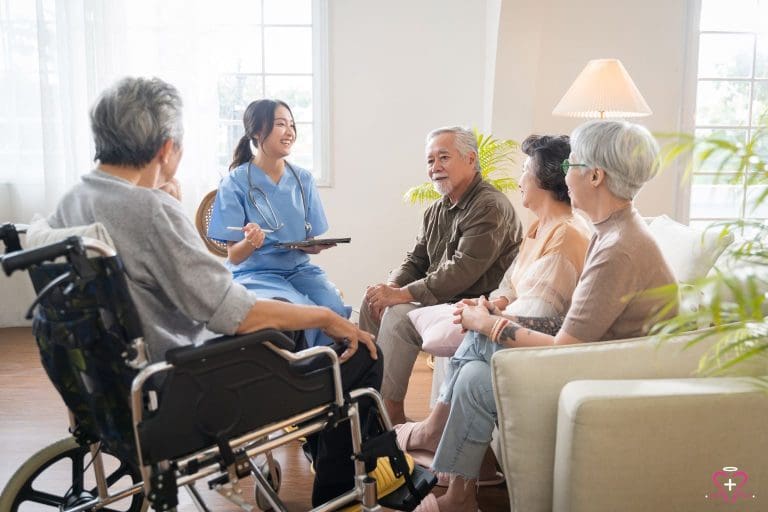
column 56, row 56
column 731, row 96
column 281, row 57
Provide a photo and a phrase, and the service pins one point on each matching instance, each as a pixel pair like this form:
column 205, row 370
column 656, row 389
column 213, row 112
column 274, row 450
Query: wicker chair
column 202, row 219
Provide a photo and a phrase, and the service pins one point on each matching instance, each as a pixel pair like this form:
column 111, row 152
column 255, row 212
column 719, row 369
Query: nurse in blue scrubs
column 269, row 201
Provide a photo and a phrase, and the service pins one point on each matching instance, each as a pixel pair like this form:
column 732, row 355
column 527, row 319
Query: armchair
column 622, row 426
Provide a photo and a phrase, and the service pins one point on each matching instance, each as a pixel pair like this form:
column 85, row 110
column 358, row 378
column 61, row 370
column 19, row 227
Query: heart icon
column 730, row 482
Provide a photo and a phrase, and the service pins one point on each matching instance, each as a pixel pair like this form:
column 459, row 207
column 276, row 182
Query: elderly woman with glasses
column 609, row 163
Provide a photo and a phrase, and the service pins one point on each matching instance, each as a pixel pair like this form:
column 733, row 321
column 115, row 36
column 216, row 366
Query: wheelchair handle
column 9, row 234
column 22, row 260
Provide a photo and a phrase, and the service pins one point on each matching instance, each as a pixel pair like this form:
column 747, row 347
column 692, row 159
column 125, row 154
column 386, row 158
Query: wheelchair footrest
column 403, row 499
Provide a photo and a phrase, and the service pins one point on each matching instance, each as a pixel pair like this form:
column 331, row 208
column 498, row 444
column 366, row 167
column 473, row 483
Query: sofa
column 625, row 425
column 628, row 425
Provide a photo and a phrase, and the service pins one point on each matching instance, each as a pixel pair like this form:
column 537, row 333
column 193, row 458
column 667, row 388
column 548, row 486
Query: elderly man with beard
column 468, row 239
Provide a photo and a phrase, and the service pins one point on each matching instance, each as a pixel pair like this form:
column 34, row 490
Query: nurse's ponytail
column 242, row 152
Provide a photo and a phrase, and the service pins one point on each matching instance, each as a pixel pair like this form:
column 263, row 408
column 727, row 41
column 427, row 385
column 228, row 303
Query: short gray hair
column 132, row 119
column 627, row 152
column 464, row 139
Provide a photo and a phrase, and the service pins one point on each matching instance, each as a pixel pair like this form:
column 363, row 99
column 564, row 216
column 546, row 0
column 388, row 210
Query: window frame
column 689, row 122
column 321, row 138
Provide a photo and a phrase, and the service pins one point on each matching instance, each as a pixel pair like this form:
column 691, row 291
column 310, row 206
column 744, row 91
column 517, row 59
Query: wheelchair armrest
column 222, row 344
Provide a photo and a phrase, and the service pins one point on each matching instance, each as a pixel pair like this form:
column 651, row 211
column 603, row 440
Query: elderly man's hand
column 381, row 296
column 344, row 331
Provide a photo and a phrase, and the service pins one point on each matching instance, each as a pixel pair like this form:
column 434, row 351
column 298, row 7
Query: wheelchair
column 147, row 430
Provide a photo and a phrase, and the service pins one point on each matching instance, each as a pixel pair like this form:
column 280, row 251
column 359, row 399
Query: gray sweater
column 182, row 293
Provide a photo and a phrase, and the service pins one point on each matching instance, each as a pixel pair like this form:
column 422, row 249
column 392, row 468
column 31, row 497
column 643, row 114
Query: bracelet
column 504, row 322
column 498, row 326
column 492, row 335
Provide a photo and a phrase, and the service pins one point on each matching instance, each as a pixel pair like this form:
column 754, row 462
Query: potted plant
column 734, row 297
column 496, row 157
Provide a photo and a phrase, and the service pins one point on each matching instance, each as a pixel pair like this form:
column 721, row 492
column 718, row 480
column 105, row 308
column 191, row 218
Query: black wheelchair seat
column 225, row 388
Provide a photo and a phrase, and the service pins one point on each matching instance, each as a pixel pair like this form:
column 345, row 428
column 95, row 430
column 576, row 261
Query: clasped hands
column 472, row 314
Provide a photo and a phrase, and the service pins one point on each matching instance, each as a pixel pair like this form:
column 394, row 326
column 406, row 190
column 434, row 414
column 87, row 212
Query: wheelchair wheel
column 261, row 499
column 60, row 476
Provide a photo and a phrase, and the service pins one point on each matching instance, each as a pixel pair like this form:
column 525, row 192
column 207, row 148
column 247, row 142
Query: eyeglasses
column 567, row 165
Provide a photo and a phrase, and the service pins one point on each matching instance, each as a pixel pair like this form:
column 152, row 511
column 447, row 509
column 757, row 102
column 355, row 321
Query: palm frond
column 733, row 299
column 495, row 156
column 420, row 194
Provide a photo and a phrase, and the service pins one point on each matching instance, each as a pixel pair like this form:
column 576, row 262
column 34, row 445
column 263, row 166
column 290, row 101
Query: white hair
column 627, row 152
column 464, row 140
column 132, row 119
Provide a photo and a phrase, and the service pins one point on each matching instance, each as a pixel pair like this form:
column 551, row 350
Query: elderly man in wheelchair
column 127, row 338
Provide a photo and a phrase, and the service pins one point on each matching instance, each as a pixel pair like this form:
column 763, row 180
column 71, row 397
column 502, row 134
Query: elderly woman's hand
column 471, row 318
column 253, row 234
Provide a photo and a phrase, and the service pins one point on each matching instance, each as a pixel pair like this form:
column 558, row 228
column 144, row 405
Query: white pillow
column 439, row 335
column 40, row 233
column 689, row 251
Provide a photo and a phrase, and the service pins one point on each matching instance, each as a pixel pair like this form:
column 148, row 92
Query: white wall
column 398, row 69
column 544, row 45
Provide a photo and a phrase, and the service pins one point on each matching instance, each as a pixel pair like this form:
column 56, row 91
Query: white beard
column 443, row 187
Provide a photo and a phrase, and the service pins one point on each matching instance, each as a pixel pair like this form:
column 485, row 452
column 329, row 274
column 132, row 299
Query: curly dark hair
column 548, row 153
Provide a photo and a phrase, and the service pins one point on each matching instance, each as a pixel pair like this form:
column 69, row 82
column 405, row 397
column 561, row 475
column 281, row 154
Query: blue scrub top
column 233, row 207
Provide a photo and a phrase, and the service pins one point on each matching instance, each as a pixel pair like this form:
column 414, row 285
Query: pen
column 235, row 228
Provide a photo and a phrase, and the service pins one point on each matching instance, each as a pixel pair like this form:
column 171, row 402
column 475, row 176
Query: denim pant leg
column 474, row 347
column 468, row 431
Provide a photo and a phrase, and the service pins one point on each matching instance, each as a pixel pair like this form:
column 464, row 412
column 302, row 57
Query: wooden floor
column 32, row 416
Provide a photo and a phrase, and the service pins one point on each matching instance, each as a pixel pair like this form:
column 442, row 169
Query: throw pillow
column 440, row 336
column 689, row 251
column 40, row 233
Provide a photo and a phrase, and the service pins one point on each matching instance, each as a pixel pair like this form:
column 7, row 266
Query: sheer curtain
column 56, row 58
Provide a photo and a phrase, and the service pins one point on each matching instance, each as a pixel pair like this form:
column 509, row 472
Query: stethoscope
column 275, row 223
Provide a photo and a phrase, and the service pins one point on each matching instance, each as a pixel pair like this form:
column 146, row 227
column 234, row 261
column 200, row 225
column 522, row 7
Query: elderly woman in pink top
column 608, row 164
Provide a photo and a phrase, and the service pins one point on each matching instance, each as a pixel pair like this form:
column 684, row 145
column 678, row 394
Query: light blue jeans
column 468, row 390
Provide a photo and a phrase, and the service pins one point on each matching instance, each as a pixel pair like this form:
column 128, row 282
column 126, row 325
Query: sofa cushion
column 689, row 251
column 440, row 336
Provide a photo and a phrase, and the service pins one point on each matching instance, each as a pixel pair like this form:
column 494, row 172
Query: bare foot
column 461, row 496
column 424, row 438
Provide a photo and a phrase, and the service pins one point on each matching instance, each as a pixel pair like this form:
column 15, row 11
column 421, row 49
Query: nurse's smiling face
column 280, row 140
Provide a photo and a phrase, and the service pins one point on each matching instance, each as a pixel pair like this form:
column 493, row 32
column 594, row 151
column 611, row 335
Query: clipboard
column 313, row 242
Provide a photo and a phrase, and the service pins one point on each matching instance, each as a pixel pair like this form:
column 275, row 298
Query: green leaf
column 496, row 158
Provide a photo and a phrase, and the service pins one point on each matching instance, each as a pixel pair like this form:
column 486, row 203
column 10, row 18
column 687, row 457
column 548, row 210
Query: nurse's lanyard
column 275, row 223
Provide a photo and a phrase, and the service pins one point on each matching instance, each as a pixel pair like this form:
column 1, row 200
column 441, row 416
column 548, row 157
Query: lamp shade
column 603, row 89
